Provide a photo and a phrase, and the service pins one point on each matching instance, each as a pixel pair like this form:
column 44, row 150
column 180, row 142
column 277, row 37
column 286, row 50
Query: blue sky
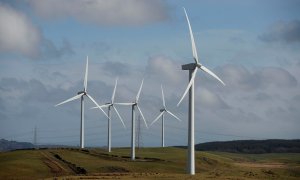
column 252, row 45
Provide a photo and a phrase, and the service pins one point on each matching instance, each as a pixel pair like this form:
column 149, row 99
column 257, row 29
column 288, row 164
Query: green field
column 151, row 163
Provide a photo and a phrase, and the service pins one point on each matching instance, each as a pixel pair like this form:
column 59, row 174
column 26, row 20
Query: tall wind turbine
column 110, row 106
column 133, row 106
column 163, row 110
column 81, row 95
column 193, row 67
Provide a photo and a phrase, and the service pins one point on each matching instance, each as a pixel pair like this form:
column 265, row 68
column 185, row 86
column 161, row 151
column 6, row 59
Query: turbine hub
column 162, row 110
column 80, row 92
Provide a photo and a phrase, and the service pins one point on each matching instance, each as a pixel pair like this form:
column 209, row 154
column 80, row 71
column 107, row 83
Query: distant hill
column 252, row 146
column 6, row 145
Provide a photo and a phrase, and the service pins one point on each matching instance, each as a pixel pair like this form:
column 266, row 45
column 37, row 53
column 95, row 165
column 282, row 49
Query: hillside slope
column 151, row 163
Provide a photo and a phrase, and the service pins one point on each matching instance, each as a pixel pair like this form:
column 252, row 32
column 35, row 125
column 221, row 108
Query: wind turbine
column 109, row 106
column 81, row 95
column 163, row 110
column 193, row 67
column 133, row 106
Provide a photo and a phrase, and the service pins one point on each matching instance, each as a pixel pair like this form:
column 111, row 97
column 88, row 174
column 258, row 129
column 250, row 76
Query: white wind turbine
column 163, row 110
column 81, row 94
column 193, row 67
column 109, row 106
column 133, row 105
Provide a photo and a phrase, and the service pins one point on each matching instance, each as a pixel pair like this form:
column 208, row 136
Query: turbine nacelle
column 162, row 110
column 190, row 66
column 82, row 92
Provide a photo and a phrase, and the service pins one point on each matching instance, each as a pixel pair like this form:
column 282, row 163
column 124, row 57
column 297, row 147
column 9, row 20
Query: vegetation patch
column 250, row 174
column 209, row 161
column 113, row 169
column 153, row 159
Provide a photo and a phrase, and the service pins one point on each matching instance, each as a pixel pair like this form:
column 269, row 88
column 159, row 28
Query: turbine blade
column 86, row 73
column 142, row 115
column 173, row 115
column 71, row 99
column 124, row 104
column 156, row 119
column 163, row 97
column 114, row 92
column 119, row 116
column 93, row 100
column 102, row 106
column 189, row 85
column 138, row 94
column 105, row 105
column 192, row 39
column 211, row 73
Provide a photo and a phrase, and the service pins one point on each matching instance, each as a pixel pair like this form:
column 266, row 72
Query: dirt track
column 262, row 165
column 55, row 168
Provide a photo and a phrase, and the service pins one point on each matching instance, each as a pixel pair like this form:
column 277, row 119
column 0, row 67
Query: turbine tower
column 81, row 95
column 110, row 106
column 163, row 110
column 133, row 106
column 193, row 67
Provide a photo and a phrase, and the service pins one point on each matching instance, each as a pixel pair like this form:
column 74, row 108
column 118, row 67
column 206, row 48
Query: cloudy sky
column 253, row 45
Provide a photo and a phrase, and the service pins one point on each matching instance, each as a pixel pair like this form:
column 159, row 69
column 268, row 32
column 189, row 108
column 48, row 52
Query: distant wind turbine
column 133, row 106
column 193, row 67
column 163, row 110
column 109, row 106
column 81, row 94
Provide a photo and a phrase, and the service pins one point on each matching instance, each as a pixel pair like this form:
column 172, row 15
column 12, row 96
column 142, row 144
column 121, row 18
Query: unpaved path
column 55, row 167
column 261, row 165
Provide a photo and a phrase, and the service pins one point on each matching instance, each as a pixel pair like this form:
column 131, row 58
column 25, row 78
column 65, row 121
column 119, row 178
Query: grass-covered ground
column 151, row 163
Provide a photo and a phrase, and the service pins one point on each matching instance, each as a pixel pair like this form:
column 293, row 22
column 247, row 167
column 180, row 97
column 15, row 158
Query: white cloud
column 17, row 33
column 165, row 69
column 208, row 99
column 241, row 78
column 103, row 12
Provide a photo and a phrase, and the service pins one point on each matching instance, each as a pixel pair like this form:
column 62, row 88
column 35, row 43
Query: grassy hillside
column 151, row 163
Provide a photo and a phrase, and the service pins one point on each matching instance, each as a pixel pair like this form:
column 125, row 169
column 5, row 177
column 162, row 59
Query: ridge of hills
column 236, row 146
column 252, row 146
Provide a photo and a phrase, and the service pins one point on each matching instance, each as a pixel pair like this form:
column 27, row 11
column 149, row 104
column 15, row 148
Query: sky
column 252, row 45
